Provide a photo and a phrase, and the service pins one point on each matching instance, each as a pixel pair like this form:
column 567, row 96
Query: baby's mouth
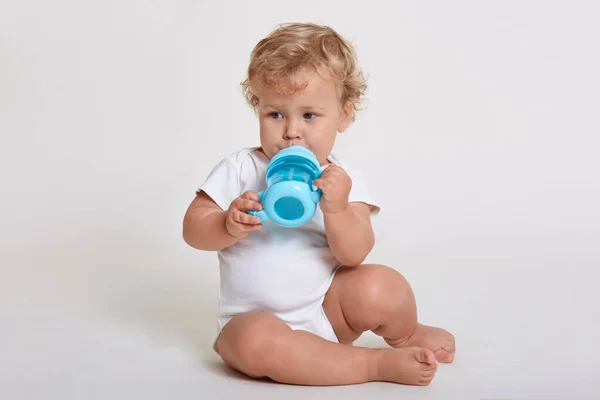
column 293, row 142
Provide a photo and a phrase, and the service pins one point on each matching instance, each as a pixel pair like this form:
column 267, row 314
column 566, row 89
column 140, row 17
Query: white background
column 480, row 139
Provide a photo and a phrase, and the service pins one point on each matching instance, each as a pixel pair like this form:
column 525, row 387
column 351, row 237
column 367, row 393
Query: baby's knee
column 247, row 334
column 388, row 292
column 247, row 340
column 385, row 285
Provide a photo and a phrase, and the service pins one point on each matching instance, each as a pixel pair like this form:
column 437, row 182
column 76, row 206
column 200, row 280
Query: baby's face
column 311, row 117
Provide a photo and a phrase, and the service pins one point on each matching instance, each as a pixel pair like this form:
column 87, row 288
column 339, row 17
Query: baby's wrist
column 227, row 230
column 337, row 210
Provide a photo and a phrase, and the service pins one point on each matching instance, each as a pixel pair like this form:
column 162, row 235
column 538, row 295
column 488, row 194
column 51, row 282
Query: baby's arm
column 204, row 225
column 347, row 225
column 350, row 234
column 207, row 227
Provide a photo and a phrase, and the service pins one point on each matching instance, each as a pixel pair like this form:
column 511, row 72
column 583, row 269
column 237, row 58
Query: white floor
column 88, row 329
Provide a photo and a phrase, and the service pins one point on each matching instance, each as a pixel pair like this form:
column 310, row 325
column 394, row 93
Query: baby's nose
column 291, row 132
column 291, row 136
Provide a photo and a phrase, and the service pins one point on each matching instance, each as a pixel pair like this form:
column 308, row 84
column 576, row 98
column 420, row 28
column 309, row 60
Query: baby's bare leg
column 261, row 345
column 378, row 298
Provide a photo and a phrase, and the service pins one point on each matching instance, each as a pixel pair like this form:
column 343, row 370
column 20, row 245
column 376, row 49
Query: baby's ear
column 347, row 117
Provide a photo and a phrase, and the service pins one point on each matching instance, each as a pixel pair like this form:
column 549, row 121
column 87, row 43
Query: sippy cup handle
column 261, row 214
column 316, row 193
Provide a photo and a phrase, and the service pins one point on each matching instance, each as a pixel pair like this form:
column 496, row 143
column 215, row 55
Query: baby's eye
column 310, row 116
column 276, row 115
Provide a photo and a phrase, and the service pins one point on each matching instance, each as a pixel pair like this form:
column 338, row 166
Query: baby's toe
column 426, row 380
column 445, row 354
column 427, row 357
column 451, row 341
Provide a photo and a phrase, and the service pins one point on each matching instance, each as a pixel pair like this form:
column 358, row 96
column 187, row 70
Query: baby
column 293, row 300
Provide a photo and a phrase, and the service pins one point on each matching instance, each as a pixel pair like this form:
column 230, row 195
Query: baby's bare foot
column 409, row 366
column 440, row 341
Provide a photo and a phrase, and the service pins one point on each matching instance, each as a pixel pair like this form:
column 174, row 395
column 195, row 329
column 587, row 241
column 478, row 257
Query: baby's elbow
column 357, row 257
column 190, row 234
column 186, row 233
column 194, row 240
column 353, row 260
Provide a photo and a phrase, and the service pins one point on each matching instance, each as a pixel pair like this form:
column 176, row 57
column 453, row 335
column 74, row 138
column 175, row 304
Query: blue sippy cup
column 289, row 199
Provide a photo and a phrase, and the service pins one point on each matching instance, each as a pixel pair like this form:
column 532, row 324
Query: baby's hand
column 335, row 184
column 237, row 221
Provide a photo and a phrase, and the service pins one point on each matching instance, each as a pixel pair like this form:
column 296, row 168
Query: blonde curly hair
column 292, row 46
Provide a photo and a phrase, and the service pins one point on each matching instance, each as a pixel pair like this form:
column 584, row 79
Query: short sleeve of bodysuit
column 360, row 192
column 223, row 183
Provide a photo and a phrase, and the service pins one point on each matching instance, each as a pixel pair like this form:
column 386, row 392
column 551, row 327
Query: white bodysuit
column 286, row 271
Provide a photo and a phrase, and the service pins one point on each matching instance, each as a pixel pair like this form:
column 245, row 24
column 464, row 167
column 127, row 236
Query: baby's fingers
column 321, row 183
column 245, row 205
column 245, row 218
column 250, row 195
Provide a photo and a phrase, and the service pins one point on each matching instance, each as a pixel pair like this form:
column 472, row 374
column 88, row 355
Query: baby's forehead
column 311, row 92
column 306, row 84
